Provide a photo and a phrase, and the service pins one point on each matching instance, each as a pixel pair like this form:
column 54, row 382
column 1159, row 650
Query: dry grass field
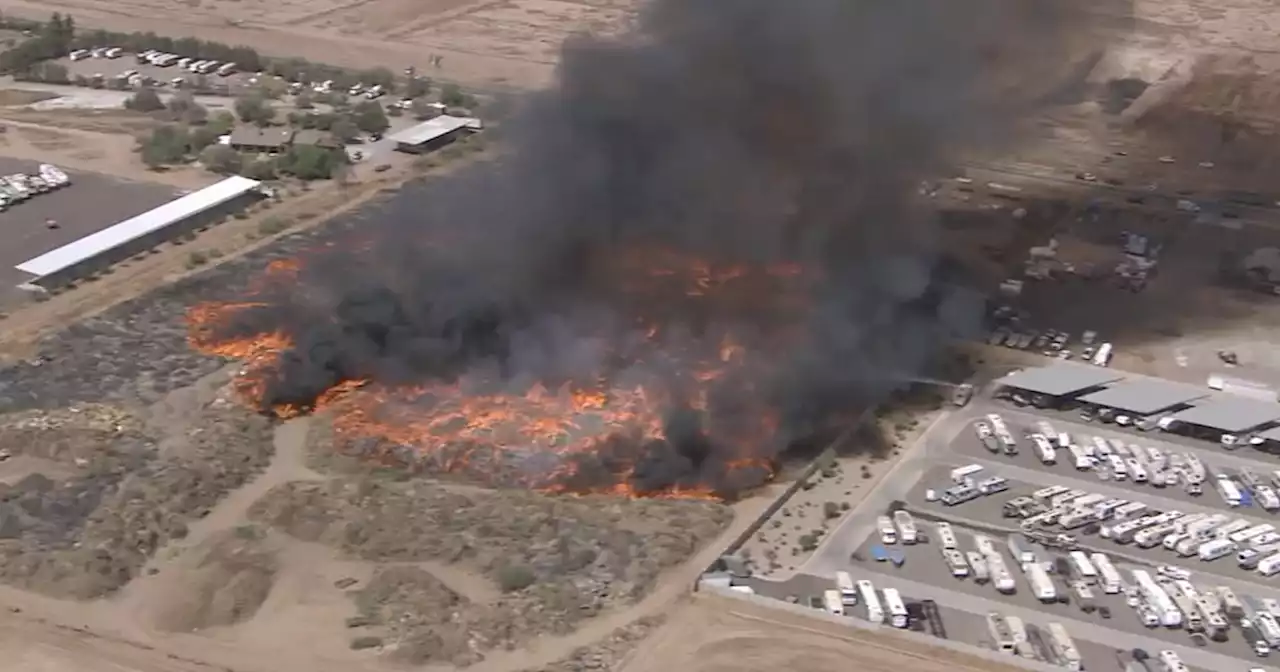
column 507, row 43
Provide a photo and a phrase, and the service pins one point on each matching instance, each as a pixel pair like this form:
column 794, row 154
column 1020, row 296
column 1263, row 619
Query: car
column 1104, row 612
column 1175, row 573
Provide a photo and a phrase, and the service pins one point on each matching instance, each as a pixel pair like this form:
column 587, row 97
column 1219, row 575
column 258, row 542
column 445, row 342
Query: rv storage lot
column 954, row 443
column 91, row 202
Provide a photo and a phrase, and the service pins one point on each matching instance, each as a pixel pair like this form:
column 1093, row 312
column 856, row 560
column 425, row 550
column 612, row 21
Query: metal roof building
column 1059, row 379
column 1230, row 414
column 59, row 265
column 432, row 133
column 1145, row 396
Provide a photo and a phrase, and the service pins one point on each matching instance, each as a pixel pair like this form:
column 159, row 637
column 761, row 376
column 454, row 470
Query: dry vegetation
column 127, row 485
column 554, row 560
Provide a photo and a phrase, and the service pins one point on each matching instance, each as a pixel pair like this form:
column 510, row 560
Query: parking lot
column 966, row 446
column 89, row 203
column 923, row 572
column 108, row 68
column 960, row 625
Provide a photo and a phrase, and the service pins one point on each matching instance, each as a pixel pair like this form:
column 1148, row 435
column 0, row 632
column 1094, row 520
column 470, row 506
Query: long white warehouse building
column 87, row 255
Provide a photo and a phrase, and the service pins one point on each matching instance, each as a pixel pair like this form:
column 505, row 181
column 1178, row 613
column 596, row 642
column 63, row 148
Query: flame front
column 571, row 438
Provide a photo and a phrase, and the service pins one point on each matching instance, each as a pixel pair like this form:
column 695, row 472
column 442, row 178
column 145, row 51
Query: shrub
column 831, row 510
column 272, row 225
column 196, row 259
column 515, row 577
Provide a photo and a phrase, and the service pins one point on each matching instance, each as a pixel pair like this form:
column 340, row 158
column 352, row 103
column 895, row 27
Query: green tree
column 453, row 96
column 167, row 145
column 371, row 118
column 202, row 136
column 259, row 169
column 344, row 130
column 417, row 87
column 254, row 109
column 222, row 122
column 422, row 109
column 145, row 100
column 221, row 159
column 309, row 162
column 302, row 101
column 183, row 107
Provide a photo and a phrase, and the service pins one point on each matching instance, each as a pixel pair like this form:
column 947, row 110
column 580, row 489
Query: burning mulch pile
column 558, row 560
column 125, row 488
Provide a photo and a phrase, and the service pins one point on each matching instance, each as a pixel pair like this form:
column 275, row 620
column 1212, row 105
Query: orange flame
column 455, row 428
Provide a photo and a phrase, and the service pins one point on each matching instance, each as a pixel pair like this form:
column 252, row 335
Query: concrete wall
column 107, row 258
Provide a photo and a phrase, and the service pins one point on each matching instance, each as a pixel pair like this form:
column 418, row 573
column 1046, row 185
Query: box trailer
column 848, row 589
column 888, row 533
column 955, row 562
column 946, row 535
column 1065, row 648
column 1251, row 533
column 1170, row 662
column 1045, row 495
column 1018, row 630
column 1269, row 565
column 1041, row 583
column 1001, row 577
column 866, row 591
column 1108, row 576
column 896, row 608
column 831, row 600
column 906, row 526
column 978, row 563
column 1083, row 567
column 1216, row 549
column 999, row 631
column 1231, row 605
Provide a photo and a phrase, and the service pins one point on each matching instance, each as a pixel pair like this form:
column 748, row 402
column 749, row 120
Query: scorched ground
column 670, row 401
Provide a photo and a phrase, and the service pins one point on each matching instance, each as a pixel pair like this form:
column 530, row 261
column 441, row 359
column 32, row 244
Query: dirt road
column 716, row 634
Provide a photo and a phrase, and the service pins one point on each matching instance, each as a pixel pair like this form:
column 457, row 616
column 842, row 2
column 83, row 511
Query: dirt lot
column 482, row 43
column 716, row 634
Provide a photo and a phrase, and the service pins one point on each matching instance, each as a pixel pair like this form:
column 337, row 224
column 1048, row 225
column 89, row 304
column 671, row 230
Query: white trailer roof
column 432, row 129
column 135, row 227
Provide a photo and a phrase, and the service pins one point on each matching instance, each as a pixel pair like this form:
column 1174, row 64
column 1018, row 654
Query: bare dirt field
column 513, row 43
column 717, row 634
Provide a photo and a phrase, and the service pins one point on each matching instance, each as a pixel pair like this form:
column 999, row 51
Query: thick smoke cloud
column 751, row 131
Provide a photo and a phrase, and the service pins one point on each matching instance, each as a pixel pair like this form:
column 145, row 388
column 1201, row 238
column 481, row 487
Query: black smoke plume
column 755, row 132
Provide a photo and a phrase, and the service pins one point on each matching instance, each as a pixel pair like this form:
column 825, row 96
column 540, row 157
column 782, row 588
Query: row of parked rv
column 1052, row 343
column 1206, row 536
column 967, row 486
column 1166, row 597
column 1113, row 459
column 19, row 187
column 1011, row 635
column 192, row 65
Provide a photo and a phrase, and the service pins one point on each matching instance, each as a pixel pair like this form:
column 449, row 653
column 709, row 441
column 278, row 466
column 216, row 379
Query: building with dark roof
column 316, row 138
column 256, row 139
